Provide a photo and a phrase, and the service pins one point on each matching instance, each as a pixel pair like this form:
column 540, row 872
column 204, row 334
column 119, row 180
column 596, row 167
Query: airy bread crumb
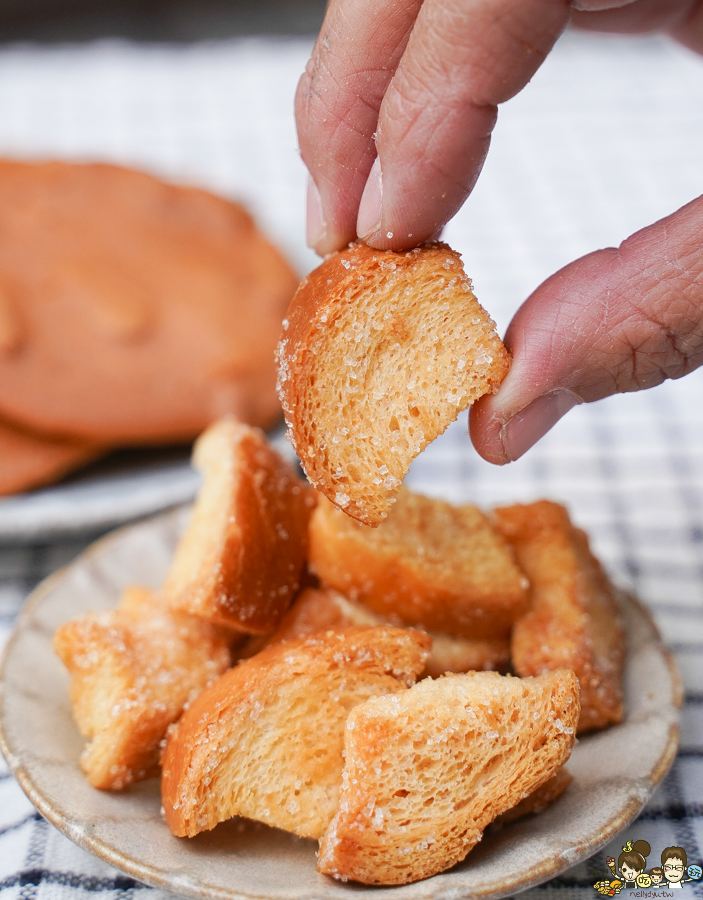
column 133, row 670
column 426, row 770
column 265, row 741
column 240, row 561
column 430, row 564
column 573, row 621
column 380, row 353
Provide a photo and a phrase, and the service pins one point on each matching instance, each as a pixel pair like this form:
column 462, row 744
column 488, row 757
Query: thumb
column 616, row 320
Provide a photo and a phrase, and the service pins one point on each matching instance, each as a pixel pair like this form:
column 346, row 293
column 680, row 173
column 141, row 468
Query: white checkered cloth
column 606, row 139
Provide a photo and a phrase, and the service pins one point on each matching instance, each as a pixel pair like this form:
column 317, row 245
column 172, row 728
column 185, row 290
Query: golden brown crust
column 132, row 310
column 322, row 609
column 240, row 561
column 573, row 620
column 133, row 670
column 265, row 741
column 430, row 564
column 29, row 461
column 428, row 769
column 538, row 800
column 380, row 353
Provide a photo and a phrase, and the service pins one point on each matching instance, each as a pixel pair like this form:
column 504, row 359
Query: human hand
column 616, row 320
column 398, row 101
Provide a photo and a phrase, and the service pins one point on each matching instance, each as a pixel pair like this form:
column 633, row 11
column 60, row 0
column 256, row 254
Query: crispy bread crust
column 240, row 561
column 265, row 741
column 538, row 800
column 573, row 620
column 133, row 670
column 428, row 769
column 321, row 609
column 132, row 310
column 358, row 404
column 430, row 564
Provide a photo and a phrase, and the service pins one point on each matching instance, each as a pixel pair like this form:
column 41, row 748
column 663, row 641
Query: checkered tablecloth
column 607, row 138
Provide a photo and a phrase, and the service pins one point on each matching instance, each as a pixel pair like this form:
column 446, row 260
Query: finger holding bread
column 380, row 353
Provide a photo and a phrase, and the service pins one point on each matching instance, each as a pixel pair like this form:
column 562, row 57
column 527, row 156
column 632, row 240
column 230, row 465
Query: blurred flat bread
column 28, row 461
column 131, row 310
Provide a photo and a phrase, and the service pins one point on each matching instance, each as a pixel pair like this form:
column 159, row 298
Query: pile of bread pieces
column 132, row 312
column 349, row 683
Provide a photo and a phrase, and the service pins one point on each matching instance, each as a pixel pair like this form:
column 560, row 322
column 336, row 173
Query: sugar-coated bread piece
column 320, row 609
column 132, row 310
column 28, row 460
column 380, row 353
column 266, row 740
column 573, row 620
column 538, row 800
column 240, row 560
column 428, row 769
column 133, row 670
column 429, row 564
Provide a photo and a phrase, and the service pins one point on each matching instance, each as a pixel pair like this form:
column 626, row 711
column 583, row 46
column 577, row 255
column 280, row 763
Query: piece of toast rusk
column 573, row 620
column 538, row 800
column 132, row 310
column 321, row 609
column 240, row 560
column 428, row 769
column 380, row 353
column 265, row 741
column 429, row 564
column 133, row 669
column 29, row 461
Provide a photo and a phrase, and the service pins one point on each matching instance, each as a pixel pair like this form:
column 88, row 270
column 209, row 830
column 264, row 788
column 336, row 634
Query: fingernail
column 316, row 226
column 534, row 421
column 369, row 218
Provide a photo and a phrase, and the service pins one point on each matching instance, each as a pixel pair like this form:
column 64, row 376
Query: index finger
column 427, row 78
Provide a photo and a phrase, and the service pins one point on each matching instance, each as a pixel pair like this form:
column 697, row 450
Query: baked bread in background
column 426, row 770
column 380, row 353
column 573, row 620
column 133, row 669
column 132, row 311
column 265, row 741
column 430, row 564
column 240, row 561
column 28, row 460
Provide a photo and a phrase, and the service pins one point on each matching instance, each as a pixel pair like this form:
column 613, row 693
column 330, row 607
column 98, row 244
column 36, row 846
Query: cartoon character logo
column 630, row 870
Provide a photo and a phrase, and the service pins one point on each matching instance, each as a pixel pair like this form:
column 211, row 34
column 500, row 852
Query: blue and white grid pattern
column 606, row 139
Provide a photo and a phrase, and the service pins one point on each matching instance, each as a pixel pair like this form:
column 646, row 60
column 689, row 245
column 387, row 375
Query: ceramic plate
column 245, row 860
column 126, row 485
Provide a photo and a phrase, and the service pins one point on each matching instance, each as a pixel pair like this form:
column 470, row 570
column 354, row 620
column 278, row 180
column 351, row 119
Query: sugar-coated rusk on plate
column 266, row 740
column 573, row 620
column 442, row 567
column 380, row 353
column 321, row 609
column 240, row 560
column 132, row 310
column 427, row 769
column 28, row 460
column 538, row 800
column 133, row 669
